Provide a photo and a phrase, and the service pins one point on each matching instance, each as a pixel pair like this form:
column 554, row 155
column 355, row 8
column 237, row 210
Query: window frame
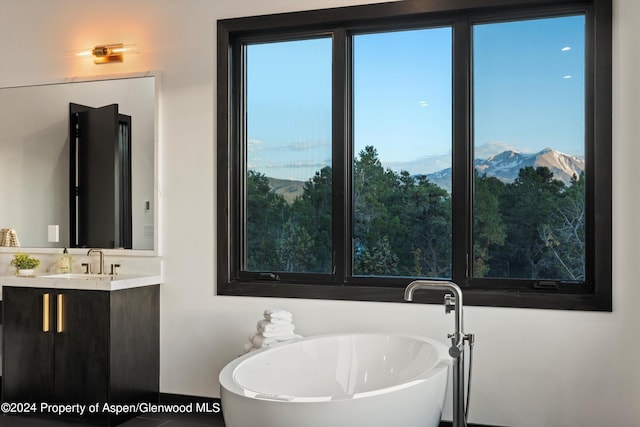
column 340, row 23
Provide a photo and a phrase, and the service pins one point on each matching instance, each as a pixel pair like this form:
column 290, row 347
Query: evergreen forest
column 530, row 228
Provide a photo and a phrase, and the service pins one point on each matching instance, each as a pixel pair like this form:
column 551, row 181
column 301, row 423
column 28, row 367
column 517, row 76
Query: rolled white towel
column 267, row 326
column 283, row 321
column 275, row 314
column 249, row 347
column 260, row 340
column 277, row 334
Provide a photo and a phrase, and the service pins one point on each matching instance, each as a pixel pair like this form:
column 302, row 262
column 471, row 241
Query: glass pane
column 288, row 155
column 529, row 142
column 402, row 136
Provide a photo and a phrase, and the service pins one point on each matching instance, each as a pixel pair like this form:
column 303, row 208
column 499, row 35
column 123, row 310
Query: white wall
column 532, row 367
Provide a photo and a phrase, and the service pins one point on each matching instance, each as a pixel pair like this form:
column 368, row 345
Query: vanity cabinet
column 81, row 347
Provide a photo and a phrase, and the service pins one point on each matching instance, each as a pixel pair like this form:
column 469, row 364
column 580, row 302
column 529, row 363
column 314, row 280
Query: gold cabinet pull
column 46, row 310
column 60, row 317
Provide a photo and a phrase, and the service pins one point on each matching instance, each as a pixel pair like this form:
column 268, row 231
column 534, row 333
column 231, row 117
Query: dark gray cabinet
column 81, row 347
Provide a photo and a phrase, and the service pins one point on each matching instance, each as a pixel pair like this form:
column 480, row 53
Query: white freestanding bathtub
column 372, row 380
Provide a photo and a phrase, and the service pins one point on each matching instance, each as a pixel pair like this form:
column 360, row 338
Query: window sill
column 554, row 300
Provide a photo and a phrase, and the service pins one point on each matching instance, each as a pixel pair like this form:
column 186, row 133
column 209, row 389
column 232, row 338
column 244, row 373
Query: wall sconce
column 109, row 53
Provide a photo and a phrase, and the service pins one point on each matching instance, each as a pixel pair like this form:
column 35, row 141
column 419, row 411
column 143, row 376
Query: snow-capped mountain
column 506, row 166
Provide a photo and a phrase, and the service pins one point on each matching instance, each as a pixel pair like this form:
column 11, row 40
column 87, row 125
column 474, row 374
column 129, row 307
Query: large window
column 529, row 149
column 288, row 143
column 402, row 97
column 472, row 146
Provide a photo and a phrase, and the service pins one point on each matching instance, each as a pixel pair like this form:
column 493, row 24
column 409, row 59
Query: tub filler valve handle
column 449, row 303
column 457, row 344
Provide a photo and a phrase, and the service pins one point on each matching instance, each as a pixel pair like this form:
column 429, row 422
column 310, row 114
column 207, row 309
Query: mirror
column 35, row 156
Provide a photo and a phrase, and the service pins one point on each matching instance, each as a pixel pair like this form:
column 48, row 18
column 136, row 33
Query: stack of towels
column 276, row 326
column 9, row 237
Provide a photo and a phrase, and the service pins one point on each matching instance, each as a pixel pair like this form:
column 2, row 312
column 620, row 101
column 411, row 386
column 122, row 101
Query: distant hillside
column 287, row 188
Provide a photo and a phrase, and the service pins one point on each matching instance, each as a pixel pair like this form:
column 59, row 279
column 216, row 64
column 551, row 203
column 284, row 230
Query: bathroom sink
column 79, row 276
column 100, row 282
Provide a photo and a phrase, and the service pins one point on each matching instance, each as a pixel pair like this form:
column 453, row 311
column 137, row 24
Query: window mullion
column 341, row 158
column 462, row 160
column 235, row 173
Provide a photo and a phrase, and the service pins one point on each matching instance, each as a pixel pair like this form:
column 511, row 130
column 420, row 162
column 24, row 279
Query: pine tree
column 489, row 229
column 266, row 213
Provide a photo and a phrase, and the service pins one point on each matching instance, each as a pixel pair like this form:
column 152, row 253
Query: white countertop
column 92, row 282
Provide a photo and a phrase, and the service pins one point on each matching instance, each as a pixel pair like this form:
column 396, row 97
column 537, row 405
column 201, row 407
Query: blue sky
column 529, row 95
column 289, row 108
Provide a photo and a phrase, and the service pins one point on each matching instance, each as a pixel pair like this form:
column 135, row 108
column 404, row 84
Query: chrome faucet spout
column 99, row 252
column 456, row 351
column 454, row 302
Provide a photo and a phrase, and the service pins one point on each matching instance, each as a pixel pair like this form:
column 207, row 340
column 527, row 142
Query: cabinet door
column 81, row 346
column 28, row 343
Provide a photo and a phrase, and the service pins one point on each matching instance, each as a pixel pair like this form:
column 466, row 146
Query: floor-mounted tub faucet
column 456, row 351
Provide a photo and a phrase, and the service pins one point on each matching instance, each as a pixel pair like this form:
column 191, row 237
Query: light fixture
column 109, row 53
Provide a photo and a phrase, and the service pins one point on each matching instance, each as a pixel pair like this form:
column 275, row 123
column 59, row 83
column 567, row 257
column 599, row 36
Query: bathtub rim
column 228, row 383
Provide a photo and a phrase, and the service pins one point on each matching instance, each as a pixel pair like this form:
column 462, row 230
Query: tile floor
column 153, row 420
column 147, row 420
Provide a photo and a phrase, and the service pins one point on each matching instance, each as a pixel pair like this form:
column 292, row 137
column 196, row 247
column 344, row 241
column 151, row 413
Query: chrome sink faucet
column 99, row 252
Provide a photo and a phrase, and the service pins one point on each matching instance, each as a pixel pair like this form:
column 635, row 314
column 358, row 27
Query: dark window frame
column 595, row 294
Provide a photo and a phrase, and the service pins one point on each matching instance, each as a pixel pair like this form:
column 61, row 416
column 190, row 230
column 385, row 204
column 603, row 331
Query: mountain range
column 504, row 166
